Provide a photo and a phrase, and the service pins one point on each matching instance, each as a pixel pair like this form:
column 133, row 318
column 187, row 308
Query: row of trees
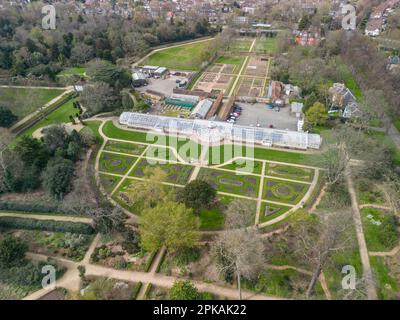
column 48, row 162
column 28, row 50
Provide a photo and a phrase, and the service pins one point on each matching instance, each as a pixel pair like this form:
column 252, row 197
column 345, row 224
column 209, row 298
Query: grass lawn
column 221, row 154
column 58, row 116
column 115, row 163
column 24, row 101
column 387, row 286
column 382, row 137
column 236, row 61
column 214, row 218
column 289, row 172
column 125, row 147
column 161, row 153
column 284, row 191
column 187, row 148
column 265, row 45
column 348, row 79
column 380, row 229
column 176, row 173
column 282, row 283
column 240, row 44
column 245, row 166
column 184, row 57
column 230, row 182
column 271, row 211
column 74, row 71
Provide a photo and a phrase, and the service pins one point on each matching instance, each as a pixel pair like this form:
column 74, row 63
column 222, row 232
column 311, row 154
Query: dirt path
column 375, row 206
column 260, row 193
column 46, row 217
column 153, row 270
column 390, row 253
column 367, row 271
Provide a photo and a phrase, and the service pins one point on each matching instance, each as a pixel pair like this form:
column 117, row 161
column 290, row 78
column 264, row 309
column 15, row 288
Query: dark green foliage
column 197, row 194
column 184, row 290
column 131, row 242
column 12, row 251
column 185, row 256
column 45, row 225
column 388, row 235
column 57, row 177
column 32, row 152
column 7, row 118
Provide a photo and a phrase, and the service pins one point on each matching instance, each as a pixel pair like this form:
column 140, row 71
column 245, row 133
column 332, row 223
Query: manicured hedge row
column 46, row 225
column 34, row 207
column 41, row 115
column 150, row 261
column 136, row 290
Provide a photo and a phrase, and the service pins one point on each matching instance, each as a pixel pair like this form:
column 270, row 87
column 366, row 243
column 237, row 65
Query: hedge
column 148, row 289
column 46, row 225
column 150, row 261
column 34, row 207
column 23, row 126
column 136, row 290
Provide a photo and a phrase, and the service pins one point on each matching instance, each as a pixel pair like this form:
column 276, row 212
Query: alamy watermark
column 49, row 19
column 349, row 21
column 49, row 280
column 349, row 280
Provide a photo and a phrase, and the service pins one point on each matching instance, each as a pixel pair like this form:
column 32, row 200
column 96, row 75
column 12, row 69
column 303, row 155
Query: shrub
column 12, row 251
column 184, row 290
column 45, row 225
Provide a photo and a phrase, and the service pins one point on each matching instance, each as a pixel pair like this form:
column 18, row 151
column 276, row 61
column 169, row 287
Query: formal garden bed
column 284, row 191
column 109, row 182
column 115, row 163
column 369, row 193
column 289, row 172
column 380, row 229
column 156, row 293
column 270, row 211
column 175, row 173
column 119, row 252
column 195, row 263
column 245, row 166
column 161, row 153
column 125, row 147
column 67, row 245
column 229, row 182
column 101, row 288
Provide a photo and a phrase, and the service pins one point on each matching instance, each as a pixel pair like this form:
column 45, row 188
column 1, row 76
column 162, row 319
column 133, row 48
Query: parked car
column 230, row 121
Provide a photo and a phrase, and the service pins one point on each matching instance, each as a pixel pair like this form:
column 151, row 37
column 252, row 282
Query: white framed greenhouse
column 218, row 130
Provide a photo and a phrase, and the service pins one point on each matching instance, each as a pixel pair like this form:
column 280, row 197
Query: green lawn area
column 380, row 229
column 24, row 101
column 265, row 45
column 387, row 286
column 236, row 61
column 382, row 137
column 184, row 57
column 348, row 79
column 282, row 283
column 187, row 148
column 60, row 115
column 74, row 71
column 284, row 191
column 115, row 163
column 214, row 218
column 221, row 154
column 240, row 44
column 368, row 193
column 230, row 182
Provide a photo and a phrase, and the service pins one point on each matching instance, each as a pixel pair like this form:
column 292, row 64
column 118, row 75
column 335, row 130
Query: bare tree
column 239, row 250
column 316, row 242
